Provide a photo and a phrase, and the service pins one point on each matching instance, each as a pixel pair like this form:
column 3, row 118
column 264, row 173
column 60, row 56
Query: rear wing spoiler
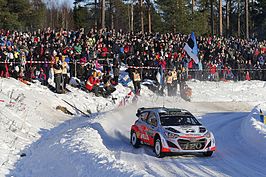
column 143, row 109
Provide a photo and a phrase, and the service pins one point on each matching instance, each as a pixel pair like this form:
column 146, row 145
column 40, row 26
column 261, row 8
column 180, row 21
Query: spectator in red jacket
column 43, row 77
column 92, row 84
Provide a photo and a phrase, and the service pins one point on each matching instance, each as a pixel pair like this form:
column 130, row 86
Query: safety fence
column 185, row 73
column 127, row 66
column 43, row 62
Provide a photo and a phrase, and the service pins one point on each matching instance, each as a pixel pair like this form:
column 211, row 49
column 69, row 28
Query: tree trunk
column 132, row 17
column 193, row 4
column 103, row 14
column 67, row 19
column 221, row 17
column 141, row 16
column 112, row 14
column 252, row 19
column 63, row 18
column 212, row 19
column 238, row 19
column 129, row 17
column 149, row 17
column 192, row 11
column 95, row 15
column 228, row 12
column 52, row 19
column 247, row 19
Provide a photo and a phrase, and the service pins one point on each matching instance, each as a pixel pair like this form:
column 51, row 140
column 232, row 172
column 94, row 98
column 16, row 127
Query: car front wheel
column 158, row 148
column 134, row 139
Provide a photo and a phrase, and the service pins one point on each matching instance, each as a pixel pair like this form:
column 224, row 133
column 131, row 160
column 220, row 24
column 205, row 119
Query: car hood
column 186, row 129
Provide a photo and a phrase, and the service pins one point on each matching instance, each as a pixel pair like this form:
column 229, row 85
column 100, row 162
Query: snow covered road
column 100, row 147
column 233, row 155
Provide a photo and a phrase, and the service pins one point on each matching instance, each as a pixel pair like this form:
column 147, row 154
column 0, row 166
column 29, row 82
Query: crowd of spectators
column 94, row 58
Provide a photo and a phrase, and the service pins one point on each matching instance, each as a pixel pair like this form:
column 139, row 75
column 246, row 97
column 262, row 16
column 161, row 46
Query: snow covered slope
column 62, row 145
column 27, row 113
column 244, row 91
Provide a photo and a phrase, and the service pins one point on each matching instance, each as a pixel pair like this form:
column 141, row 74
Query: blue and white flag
column 191, row 48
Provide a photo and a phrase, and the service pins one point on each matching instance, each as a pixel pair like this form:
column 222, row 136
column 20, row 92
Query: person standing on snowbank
column 175, row 81
column 169, row 82
column 65, row 69
column 136, row 82
column 58, row 75
column 116, row 70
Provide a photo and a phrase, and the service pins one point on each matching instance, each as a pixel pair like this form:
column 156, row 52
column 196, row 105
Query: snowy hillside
column 38, row 140
column 29, row 112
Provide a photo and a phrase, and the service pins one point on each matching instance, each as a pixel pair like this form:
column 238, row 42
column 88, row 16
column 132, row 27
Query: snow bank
column 244, row 91
column 25, row 111
column 253, row 130
column 104, row 161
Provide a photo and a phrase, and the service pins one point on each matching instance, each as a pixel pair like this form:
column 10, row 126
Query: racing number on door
column 144, row 135
column 143, row 128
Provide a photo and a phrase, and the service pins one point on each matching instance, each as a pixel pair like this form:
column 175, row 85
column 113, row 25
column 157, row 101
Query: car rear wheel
column 158, row 148
column 134, row 139
column 208, row 153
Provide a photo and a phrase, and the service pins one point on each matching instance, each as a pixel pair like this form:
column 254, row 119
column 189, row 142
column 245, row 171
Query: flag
column 191, row 48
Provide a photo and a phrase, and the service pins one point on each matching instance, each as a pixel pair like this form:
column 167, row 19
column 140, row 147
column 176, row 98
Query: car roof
column 161, row 110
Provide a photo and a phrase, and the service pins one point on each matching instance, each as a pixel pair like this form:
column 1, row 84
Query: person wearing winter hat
column 169, row 82
column 42, row 77
column 108, row 87
column 65, row 69
column 92, row 84
column 175, row 82
column 136, row 81
column 58, row 75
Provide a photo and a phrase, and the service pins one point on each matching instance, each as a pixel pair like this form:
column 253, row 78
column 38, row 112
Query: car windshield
column 178, row 120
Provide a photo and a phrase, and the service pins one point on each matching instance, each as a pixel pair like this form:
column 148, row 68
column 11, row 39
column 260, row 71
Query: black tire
column 208, row 153
column 158, row 148
column 134, row 139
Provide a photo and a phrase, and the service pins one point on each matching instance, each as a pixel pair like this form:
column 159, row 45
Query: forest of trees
column 241, row 18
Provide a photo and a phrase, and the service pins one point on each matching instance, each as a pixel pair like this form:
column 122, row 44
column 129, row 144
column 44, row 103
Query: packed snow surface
column 38, row 140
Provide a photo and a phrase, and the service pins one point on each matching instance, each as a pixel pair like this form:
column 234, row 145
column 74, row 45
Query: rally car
column 170, row 130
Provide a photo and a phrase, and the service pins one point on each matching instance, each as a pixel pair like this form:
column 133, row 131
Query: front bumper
column 189, row 145
column 188, row 151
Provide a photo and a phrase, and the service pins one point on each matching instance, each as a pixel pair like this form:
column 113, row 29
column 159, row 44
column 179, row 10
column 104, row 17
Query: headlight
column 207, row 135
column 170, row 135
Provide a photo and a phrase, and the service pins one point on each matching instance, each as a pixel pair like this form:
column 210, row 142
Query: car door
column 143, row 127
column 152, row 124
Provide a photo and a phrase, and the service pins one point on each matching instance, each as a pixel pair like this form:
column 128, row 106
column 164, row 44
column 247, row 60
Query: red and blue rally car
column 170, row 130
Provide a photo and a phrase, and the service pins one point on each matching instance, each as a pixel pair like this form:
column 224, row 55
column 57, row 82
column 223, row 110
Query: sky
column 70, row 2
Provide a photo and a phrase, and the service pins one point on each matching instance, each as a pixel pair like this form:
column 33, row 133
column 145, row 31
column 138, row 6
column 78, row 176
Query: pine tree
column 20, row 10
column 258, row 16
column 37, row 18
column 81, row 15
column 7, row 20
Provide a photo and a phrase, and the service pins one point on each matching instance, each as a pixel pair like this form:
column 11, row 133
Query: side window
column 189, row 121
column 144, row 116
column 152, row 120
